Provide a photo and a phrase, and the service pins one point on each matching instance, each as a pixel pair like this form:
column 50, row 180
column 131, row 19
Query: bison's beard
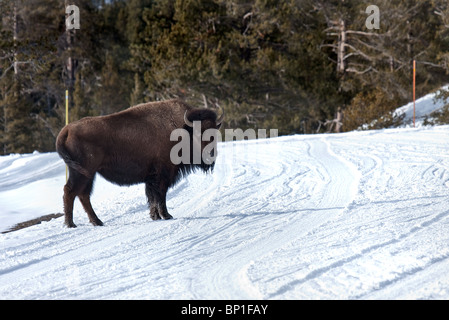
column 207, row 168
column 190, row 168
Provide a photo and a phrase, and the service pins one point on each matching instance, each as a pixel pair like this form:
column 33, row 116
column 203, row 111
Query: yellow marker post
column 66, row 123
column 414, row 85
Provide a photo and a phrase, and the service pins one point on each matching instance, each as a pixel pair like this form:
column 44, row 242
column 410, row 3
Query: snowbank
column 424, row 106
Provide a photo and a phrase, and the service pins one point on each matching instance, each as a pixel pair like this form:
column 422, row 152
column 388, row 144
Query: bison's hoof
column 167, row 216
column 97, row 222
column 70, row 225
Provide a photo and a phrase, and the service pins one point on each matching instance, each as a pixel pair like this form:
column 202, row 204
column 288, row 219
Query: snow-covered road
column 362, row 215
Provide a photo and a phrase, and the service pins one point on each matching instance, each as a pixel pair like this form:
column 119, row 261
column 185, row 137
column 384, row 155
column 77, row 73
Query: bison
column 130, row 147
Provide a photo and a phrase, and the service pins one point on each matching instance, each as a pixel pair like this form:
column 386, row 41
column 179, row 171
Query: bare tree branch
column 361, row 53
column 358, row 71
column 361, row 33
column 6, row 71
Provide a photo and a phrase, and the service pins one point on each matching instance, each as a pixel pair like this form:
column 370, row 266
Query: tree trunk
column 15, row 38
column 341, row 67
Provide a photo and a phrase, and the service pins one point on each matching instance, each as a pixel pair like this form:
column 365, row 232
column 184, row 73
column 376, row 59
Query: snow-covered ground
column 424, row 106
column 360, row 215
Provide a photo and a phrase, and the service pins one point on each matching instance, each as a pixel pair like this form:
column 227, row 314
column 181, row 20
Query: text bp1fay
column 230, row 309
column 246, row 309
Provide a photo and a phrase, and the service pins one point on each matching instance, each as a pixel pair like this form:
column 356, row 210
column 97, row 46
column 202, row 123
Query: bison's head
column 203, row 126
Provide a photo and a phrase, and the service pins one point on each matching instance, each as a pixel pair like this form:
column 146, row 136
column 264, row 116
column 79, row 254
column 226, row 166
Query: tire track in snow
column 362, row 254
column 368, row 268
column 336, row 186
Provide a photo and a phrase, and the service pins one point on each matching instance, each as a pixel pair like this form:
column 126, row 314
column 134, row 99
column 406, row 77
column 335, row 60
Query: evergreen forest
column 289, row 65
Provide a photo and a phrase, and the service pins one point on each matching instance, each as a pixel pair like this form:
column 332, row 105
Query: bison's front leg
column 154, row 210
column 163, row 212
column 156, row 199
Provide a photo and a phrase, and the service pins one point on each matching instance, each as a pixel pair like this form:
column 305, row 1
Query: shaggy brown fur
column 129, row 147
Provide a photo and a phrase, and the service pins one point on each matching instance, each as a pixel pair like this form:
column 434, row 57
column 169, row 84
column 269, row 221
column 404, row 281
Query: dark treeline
column 270, row 64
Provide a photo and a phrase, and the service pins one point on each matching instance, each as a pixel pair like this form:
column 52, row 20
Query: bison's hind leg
column 69, row 198
column 85, row 201
column 81, row 186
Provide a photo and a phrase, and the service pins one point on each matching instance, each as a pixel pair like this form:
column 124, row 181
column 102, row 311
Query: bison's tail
column 66, row 156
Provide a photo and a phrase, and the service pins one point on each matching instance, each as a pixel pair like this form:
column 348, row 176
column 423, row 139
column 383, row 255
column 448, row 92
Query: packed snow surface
column 361, row 215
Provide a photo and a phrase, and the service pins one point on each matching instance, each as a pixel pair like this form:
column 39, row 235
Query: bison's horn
column 187, row 121
column 221, row 118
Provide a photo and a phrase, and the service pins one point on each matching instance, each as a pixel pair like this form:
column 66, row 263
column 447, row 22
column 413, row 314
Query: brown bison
column 129, row 147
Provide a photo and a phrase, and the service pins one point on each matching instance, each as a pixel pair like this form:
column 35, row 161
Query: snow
column 424, row 106
column 360, row 215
